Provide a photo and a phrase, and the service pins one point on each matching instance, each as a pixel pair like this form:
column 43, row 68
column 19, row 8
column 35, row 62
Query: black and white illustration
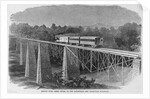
column 75, row 47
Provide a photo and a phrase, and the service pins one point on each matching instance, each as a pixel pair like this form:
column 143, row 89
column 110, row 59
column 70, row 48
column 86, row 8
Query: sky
column 13, row 8
column 16, row 8
column 136, row 8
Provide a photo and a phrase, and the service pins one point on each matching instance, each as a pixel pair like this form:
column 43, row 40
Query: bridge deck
column 103, row 50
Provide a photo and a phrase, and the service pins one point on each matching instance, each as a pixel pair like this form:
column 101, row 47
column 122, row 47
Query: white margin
column 4, row 53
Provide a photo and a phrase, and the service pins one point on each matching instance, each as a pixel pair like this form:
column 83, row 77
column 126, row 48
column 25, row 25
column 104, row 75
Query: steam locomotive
column 93, row 41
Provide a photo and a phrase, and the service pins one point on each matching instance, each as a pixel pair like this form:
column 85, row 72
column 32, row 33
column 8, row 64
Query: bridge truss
column 37, row 56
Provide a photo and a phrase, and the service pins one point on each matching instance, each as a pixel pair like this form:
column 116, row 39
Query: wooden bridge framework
column 72, row 56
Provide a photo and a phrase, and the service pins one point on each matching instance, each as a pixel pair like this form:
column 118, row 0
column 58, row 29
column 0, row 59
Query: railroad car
column 93, row 41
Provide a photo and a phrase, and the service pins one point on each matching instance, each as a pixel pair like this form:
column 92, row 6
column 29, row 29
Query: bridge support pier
column 30, row 64
column 122, row 72
column 64, row 67
column 39, row 70
column 27, row 62
column 21, row 53
column 70, row 63
column 38, row 77
column 44, row 67
column 23, row 49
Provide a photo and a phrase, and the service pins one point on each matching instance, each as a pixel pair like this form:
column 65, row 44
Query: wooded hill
column 126, row 37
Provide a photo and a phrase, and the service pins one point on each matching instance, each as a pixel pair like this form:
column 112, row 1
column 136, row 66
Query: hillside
column 75, row 15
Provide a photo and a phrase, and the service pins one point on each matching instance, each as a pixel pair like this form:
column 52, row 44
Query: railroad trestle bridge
column 37, row 56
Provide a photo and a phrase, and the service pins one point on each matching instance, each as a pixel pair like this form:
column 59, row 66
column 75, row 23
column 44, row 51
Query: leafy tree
column 128, row 37
column 53, row 27
column 36, row 32
column 73, row 30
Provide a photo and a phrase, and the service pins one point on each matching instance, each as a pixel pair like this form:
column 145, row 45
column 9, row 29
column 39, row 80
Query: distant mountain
column 75, row 15
column 99, row 25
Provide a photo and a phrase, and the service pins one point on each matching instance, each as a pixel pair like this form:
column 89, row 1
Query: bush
column 75, row 82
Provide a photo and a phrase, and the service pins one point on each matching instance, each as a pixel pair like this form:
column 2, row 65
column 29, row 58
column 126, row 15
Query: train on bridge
column 94, row 41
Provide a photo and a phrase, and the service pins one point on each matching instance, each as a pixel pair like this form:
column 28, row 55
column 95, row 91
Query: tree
column 53, row 27
column 113, row 31
column 129, row 34
column 13, row 28
column 96, row 32
column 104, row 30
column 36, row 32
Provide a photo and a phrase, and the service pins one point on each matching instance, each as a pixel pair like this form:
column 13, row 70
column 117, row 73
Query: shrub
column 75, row 82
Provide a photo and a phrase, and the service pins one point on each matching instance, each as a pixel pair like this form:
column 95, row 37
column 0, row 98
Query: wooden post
column 38, row 77
column 15, row 41
column 68, row 39
column 115, row 61
column 64, row 67
column 91, row 61
column 132, row 68
column 82, row 58
column 140, row 67
column 21, row 53
column 108, row 66
column 27, row 62
column 122, row 73
column 79, row 40
column 98, row 63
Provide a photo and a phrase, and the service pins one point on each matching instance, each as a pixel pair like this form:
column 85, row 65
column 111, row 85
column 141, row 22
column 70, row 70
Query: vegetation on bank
column 126, row 37
column 17, row 72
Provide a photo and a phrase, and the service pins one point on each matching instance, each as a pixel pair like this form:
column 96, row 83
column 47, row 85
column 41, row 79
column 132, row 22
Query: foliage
column 36, row 32
column 76, row 82
column 126, row 37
